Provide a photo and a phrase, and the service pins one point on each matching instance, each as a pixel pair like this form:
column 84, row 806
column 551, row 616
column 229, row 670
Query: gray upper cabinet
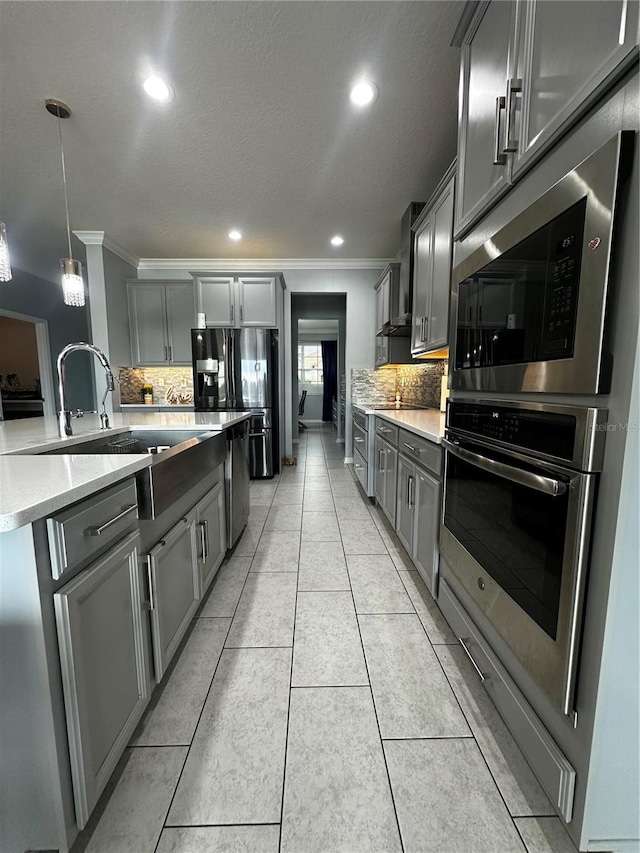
column 161, row 315
column 568, row 51
column 105, row 679
column 433, row 242
column 257, row 301
column 238, row 301
column 486, row 63
column 383, row 299
column 529, row 70
column 212, row 534
column 174, row 581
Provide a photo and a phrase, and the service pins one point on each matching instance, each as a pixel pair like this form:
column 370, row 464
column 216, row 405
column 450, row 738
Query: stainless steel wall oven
column 528, row 306
column 520, row 486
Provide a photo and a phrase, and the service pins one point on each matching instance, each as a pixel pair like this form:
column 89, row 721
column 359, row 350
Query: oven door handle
column 516, row 475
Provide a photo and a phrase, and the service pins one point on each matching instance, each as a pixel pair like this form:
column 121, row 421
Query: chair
column 301, row 410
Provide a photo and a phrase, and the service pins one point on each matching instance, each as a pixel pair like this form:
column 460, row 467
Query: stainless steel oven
column 528, row 306
column 520, row 485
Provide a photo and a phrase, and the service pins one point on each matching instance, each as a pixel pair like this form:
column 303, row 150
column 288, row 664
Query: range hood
column 401, row 289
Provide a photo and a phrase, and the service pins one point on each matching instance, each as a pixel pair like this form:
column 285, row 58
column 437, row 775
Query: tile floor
column 321, row 703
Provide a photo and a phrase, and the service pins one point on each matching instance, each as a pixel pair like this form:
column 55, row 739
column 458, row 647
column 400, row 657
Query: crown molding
column 260, row 264
column 100, row 238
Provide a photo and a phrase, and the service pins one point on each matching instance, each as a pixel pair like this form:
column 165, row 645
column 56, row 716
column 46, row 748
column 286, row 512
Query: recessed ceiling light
column 364, row 93
column 337, row 240
column 157, row 89
column 235, row 235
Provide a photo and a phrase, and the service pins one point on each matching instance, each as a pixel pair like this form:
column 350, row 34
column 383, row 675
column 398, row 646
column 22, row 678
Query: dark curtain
column 330, row 376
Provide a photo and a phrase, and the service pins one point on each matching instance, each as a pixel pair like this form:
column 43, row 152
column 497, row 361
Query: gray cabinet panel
column 486, row 66
column 438, row 336
column 174, row 578
column 180, row 321
column 216, row 298
column 257, row 302
column 568, row 50
column 390, row 482
column 148, row 324
column 212, row 534
column 105, row 678
column 425, row 551
column 405, row 502
column 422, row 283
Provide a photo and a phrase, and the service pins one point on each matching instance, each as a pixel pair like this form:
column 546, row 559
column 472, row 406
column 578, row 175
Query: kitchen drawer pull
column 98, row 531
column 499, row 157
column 513, row 86
column 463, row 643
column 412, row 448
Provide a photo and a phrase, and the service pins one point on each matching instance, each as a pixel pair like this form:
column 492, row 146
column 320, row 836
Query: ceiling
column 261, row 134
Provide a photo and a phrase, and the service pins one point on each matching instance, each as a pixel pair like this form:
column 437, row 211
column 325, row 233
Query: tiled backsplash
column 419, row 385
column 162, row 378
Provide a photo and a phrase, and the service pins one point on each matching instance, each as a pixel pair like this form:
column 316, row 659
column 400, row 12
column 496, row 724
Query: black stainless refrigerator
column 236, row 370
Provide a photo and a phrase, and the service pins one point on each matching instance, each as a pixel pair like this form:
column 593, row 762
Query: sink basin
column 188, row 458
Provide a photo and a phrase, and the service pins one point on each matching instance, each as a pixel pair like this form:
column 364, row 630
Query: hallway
column 321, row 703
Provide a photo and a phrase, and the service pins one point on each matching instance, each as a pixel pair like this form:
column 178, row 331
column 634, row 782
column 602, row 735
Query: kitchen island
column 97, row 593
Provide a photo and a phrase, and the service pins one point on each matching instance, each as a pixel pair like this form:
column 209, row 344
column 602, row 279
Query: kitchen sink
column 180, row 459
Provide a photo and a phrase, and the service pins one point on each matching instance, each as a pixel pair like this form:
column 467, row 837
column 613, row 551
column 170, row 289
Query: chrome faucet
column 64, row 415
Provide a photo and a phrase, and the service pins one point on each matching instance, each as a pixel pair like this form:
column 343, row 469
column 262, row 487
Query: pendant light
column 71, row 270
column 5, row 264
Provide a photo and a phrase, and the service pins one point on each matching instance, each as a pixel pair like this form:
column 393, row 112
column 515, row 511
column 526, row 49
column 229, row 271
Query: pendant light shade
column 5, row 264
column 72, row 282
column 71, row 270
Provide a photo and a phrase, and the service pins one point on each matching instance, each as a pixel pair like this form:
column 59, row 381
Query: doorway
column 26, row 379
column 318, row 323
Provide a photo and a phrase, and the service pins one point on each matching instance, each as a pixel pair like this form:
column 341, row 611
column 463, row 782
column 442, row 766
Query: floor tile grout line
column 173, row 796
column 286, row 739
column 375, row 712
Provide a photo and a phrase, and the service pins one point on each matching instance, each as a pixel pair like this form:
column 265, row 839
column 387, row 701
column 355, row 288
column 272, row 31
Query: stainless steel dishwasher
column 237, row 480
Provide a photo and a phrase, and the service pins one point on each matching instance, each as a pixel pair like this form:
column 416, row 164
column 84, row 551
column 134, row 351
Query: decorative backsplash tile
column 419, row 385
column 162, row 378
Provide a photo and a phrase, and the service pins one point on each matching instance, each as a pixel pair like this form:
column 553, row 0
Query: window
column 310, row 364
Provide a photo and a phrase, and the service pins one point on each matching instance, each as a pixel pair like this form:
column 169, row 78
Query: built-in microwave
column 528, row 307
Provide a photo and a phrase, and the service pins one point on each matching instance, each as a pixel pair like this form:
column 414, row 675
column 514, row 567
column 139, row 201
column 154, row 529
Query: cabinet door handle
column 233, row 309
column 152, row 602
column 359, row 440
column 165, row 353
column 514, row 85
column 170, row 354
column 203, row 543
column 380, row 458
column 98, row 531
column 241, row 313
column 499, row 158
column 412, row 492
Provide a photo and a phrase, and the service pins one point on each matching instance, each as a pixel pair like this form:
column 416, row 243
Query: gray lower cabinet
column 426, row 552
column 385, row 485
column 405, row 506
column 211, row 534
column 174, row 582
column 106, row 682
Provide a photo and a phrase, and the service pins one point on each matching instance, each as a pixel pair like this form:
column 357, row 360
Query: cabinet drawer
column 360, row 468
column 421, row 451
column 387, row 431
column 554, row 772
column 86, row 528
column 359, row 439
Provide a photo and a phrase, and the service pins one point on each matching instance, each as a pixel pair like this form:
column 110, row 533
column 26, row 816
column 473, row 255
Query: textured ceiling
column 260, row 136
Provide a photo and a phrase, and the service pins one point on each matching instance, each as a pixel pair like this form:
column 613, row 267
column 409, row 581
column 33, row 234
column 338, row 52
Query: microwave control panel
column 563, row 277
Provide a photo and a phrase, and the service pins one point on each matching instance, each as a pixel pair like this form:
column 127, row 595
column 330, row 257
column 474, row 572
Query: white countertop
column 427, row 423
column 33, row 486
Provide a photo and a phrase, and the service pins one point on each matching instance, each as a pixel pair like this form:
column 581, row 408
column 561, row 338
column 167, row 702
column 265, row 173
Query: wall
column 19, row 351
column 36, row 297
column 357, row 286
